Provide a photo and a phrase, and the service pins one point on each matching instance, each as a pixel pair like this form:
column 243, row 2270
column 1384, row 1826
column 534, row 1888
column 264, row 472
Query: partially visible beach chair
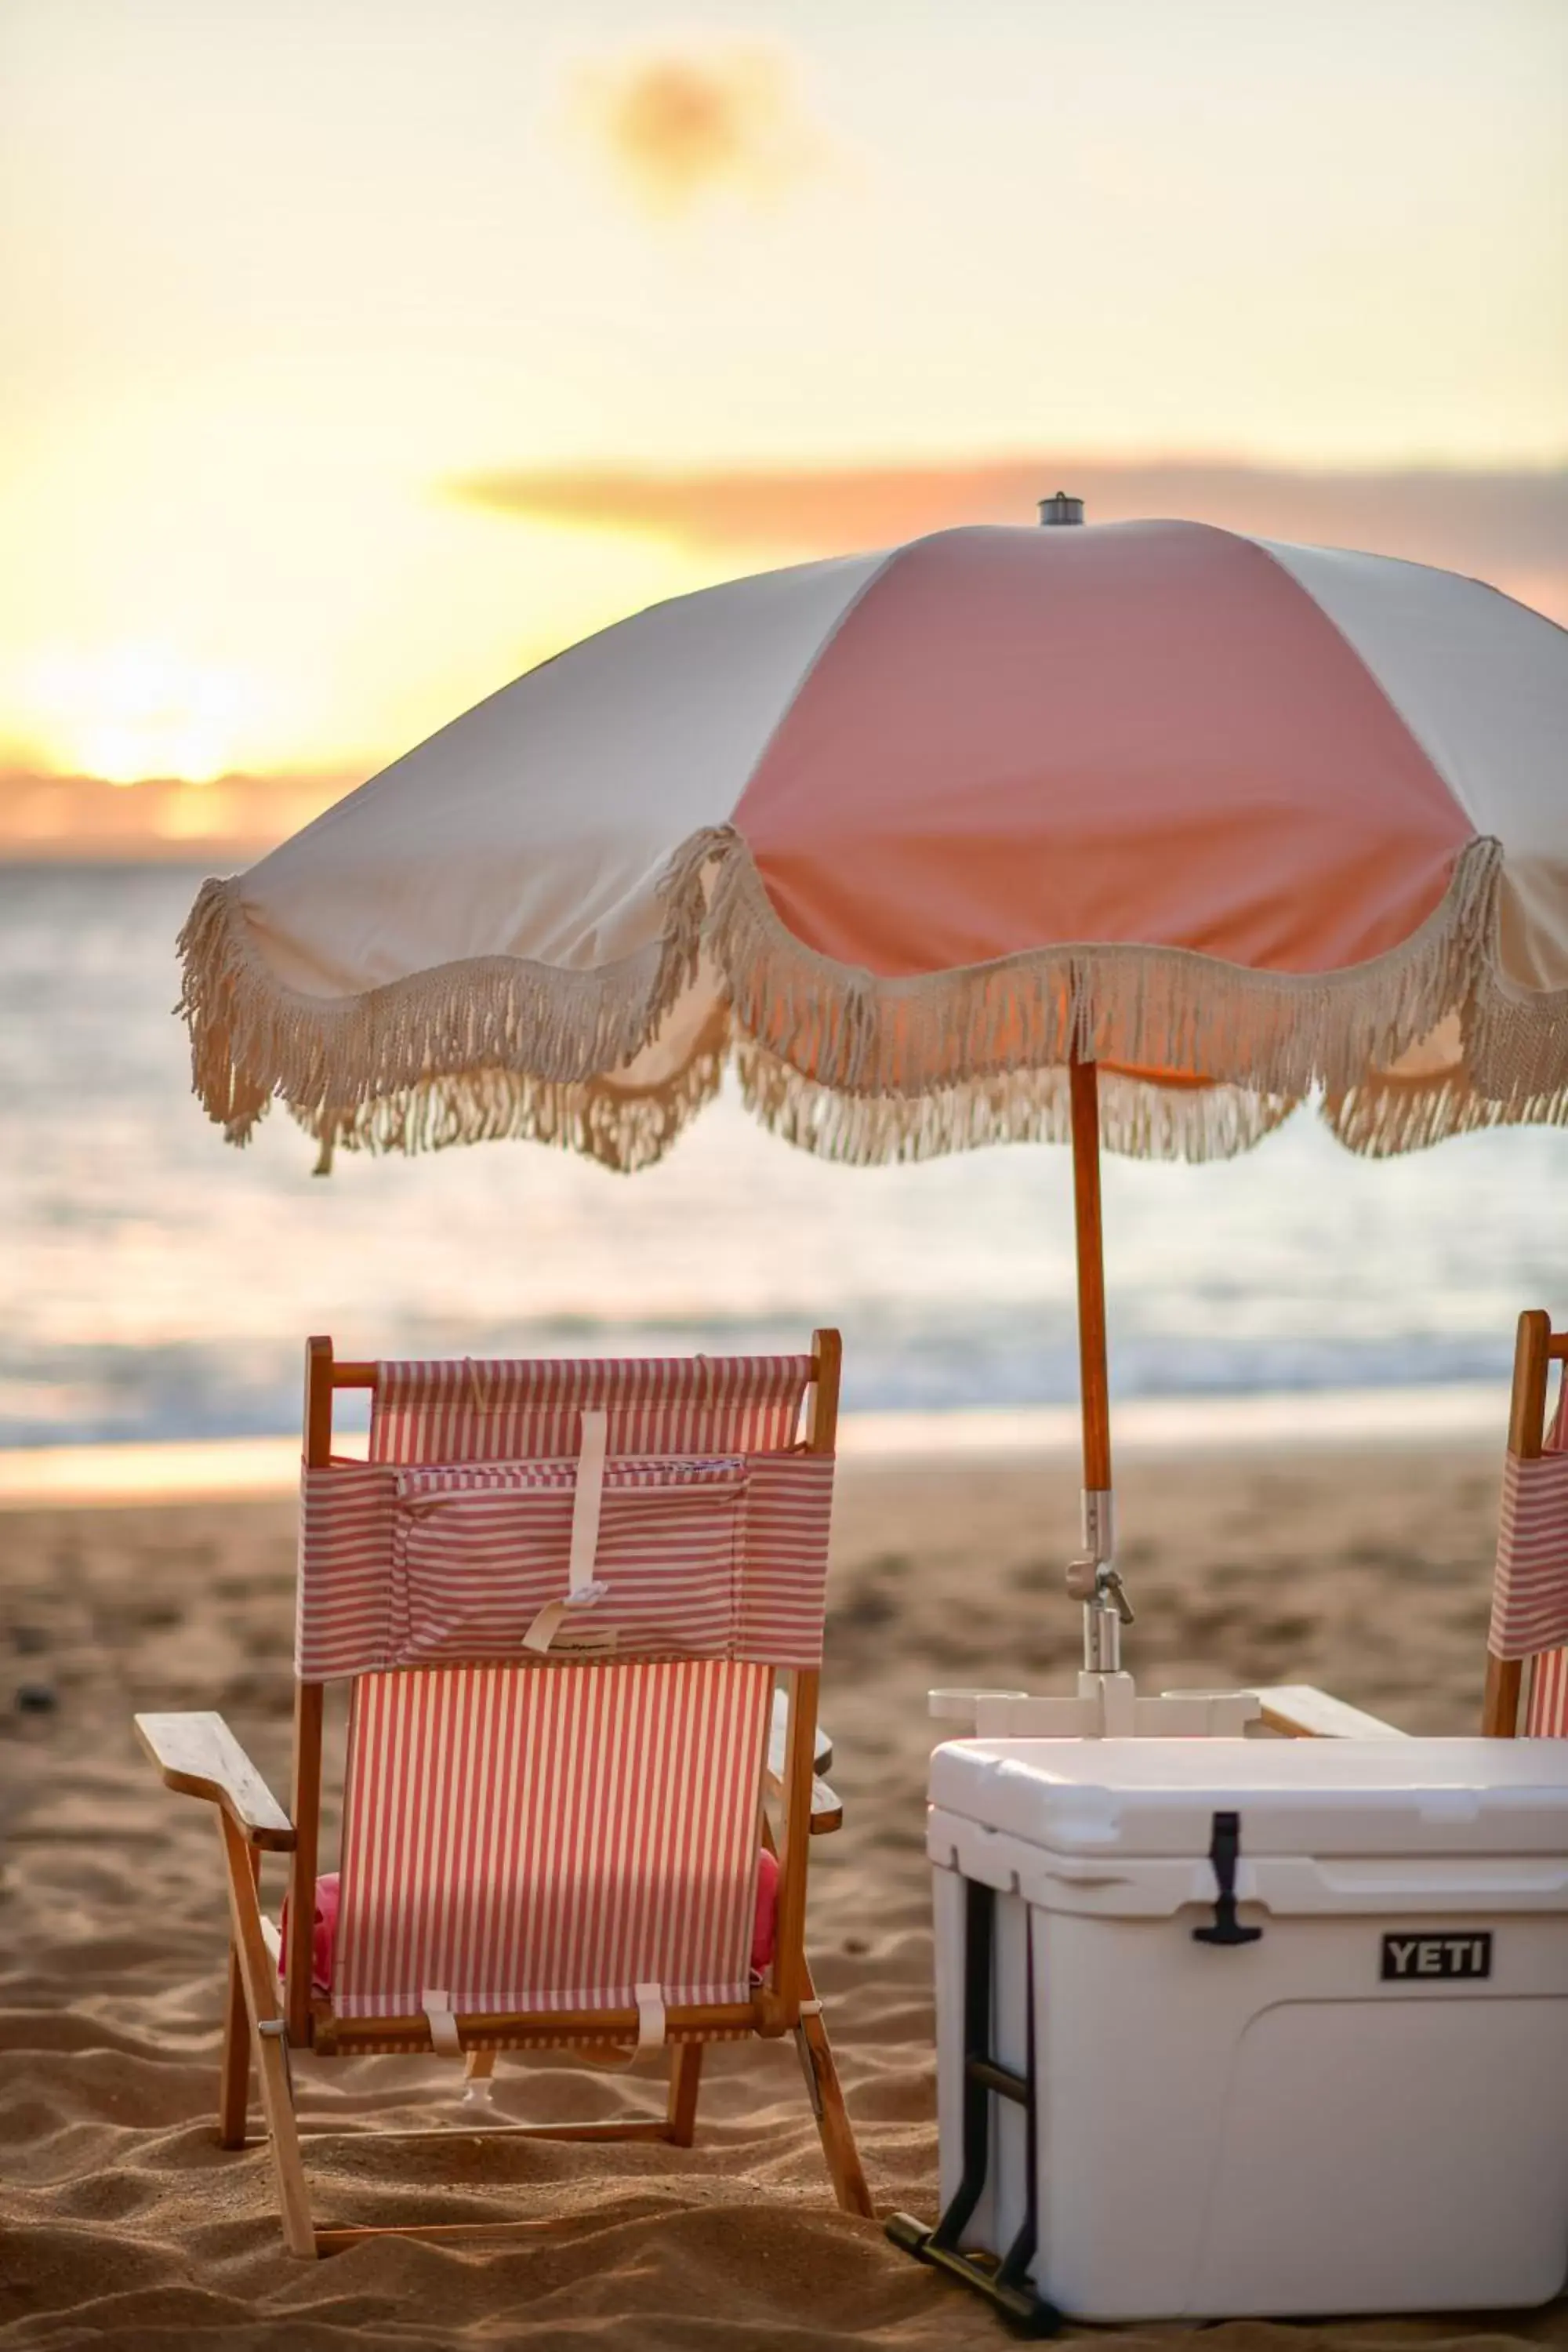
column 1527, row 1647
column 565, row 1596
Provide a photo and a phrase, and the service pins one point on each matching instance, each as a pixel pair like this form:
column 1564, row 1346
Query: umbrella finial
column 1060, row 507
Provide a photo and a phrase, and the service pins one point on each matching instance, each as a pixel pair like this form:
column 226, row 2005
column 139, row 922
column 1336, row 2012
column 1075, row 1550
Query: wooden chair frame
column 1299, row 1711
column 1536, row 1348
column 266, row 2022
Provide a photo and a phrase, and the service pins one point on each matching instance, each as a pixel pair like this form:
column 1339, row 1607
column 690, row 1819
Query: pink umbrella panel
column 904, row 835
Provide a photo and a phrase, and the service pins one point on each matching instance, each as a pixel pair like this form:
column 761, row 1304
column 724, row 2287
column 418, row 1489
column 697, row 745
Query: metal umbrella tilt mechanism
column 1133, row 836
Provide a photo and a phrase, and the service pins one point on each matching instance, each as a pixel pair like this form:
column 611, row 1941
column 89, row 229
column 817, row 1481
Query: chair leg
column 478, row 2091
column 685, row 2082
column 268, row 2043
column 832, row 2116
column 234, row 2078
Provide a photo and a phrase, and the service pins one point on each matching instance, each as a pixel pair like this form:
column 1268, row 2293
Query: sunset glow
column 125, row 712
column 357, row 360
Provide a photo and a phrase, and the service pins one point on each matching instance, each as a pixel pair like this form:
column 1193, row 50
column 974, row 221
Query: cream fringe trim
column 871, row 1070
column 1143, row 1122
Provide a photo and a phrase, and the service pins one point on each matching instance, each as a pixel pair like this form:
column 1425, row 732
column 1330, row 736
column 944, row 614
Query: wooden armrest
column 1303, row 1713
column 822, row 1759
column 199, row 1755
column 827, row 1812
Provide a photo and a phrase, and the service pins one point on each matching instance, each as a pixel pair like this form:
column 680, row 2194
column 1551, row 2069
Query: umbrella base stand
column 1106, row 1706
column 1094, row 1579
column 1101, row 1639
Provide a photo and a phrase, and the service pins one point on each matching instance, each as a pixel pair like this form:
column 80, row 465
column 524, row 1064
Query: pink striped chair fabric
column 463, row 1411
column 712, row 1534
column 1530, row 1587
column 544, row 1836
column 551, row 1838
column 1546, row 1711
column 1530, row 1583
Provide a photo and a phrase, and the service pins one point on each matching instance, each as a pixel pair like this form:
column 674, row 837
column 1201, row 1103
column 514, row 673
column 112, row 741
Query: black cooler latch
column 1224, row 1852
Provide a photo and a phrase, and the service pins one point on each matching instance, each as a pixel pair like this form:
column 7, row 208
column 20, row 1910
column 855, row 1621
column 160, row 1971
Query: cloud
column 1510, row 528
column 677, row 129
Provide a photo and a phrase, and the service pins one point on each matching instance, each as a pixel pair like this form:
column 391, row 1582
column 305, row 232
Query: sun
column 133, row 710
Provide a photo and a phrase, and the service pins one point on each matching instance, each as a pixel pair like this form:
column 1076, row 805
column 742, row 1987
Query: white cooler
column 1285, row 2021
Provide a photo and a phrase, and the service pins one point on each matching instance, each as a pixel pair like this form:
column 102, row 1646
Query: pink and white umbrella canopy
column 899, row 834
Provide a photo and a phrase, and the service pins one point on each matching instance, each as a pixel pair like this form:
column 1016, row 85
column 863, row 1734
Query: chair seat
column 323, row 1944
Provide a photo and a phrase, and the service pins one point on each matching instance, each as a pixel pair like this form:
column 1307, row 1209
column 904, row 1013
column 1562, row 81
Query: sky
column 355, row 354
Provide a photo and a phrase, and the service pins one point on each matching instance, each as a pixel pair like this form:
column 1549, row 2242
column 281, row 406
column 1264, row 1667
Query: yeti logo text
column 1409, row 1958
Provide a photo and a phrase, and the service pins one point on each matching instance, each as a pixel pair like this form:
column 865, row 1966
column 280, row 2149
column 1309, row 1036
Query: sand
column 125, row 2225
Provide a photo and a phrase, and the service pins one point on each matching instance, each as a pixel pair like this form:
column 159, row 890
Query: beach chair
column 1527, row 1646
column 579, row 1606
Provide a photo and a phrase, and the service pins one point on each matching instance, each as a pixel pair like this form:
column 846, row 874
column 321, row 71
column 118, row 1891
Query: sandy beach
column 125, row 2225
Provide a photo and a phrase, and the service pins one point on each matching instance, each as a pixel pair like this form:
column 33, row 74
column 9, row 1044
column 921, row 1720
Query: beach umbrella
column 1136, row 835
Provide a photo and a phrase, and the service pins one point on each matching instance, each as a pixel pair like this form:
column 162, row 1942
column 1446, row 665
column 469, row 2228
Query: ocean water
column 159, row 1285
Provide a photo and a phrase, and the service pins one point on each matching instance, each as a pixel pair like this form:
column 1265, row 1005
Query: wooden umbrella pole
column 1093, row 1578
column 1084, row 1078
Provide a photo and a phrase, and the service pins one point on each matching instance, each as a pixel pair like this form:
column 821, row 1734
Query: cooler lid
column 1310, row 1797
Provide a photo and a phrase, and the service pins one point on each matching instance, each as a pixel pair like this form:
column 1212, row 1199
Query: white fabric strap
column 444, row 2035
column 652, row 2030
column 650, row 2018
column 583, row 1587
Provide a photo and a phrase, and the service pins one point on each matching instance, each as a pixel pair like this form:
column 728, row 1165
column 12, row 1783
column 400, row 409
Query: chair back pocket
column 479, row 1550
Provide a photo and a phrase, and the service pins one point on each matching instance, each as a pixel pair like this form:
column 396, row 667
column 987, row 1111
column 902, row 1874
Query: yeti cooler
column 1231, row 2026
